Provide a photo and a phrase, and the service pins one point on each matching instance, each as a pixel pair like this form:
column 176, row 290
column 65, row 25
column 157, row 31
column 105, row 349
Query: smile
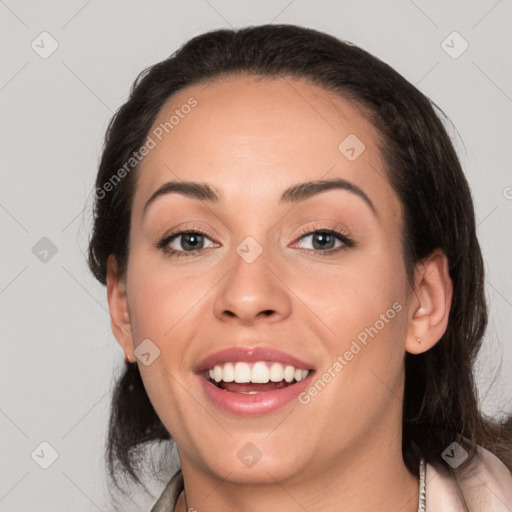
column 249, row 382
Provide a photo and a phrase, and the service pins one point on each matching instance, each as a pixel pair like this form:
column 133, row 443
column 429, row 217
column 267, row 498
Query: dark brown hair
column 440, row 402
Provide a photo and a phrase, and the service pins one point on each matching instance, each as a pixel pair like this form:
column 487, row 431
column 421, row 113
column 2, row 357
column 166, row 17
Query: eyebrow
column 293, row 194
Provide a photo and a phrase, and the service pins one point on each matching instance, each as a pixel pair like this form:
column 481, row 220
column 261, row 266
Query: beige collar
column 485, row 485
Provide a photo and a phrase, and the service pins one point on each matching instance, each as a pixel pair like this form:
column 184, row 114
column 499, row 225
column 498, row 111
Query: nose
column 253, row 291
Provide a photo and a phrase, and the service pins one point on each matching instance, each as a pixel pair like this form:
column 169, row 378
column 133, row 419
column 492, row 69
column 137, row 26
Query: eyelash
column 340, row 235
column 173, row 253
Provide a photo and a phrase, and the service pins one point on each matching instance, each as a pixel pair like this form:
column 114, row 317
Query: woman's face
column 263, row 281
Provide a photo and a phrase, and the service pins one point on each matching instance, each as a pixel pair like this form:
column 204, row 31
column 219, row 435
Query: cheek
column 363, row 303
column 163, row 308
column 371, row 326
column 355, row 295
column 161, row 300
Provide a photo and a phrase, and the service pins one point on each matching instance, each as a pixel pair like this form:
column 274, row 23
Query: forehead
column 261, row 136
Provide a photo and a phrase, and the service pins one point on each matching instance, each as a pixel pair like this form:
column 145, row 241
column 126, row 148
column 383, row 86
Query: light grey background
column 58, row 356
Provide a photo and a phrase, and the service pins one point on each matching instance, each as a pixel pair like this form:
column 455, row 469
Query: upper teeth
column 257, row 373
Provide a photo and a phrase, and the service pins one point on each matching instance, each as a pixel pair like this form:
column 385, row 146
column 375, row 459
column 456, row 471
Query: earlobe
column 429, row 308
column 119, row 311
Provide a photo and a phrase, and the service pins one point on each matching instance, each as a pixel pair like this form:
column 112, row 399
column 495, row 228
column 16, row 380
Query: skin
column 251, row 139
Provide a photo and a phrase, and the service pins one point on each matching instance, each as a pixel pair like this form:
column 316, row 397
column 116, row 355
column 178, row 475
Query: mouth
column 253, row 381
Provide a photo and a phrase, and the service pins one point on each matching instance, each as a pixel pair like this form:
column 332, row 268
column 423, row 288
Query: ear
column 119, row 312
column 430, row 303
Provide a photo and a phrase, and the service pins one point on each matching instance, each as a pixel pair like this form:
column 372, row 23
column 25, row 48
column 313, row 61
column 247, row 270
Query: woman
column 288, row 243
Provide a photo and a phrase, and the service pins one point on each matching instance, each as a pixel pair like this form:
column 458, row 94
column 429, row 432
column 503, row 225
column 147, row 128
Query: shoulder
column 167, row 500
column 485, row 484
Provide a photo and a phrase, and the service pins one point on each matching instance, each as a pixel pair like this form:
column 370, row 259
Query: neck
column 375, row 480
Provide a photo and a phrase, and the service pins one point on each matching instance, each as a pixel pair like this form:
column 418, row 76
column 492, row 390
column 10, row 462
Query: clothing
column 485, row 485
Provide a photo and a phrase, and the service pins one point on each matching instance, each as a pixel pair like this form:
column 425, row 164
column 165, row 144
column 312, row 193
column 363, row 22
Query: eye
column 326, row 241
column 184, row 243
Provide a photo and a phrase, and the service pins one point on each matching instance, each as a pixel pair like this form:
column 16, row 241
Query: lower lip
column 256, row 404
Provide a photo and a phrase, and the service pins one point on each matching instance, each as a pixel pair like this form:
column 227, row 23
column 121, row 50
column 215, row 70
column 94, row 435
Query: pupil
column 324, row 239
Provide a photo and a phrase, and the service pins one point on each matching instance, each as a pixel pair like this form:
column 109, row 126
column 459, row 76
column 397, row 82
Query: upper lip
column 250, row 354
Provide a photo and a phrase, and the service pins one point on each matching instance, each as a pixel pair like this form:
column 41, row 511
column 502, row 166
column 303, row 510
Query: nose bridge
column 251, row 289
